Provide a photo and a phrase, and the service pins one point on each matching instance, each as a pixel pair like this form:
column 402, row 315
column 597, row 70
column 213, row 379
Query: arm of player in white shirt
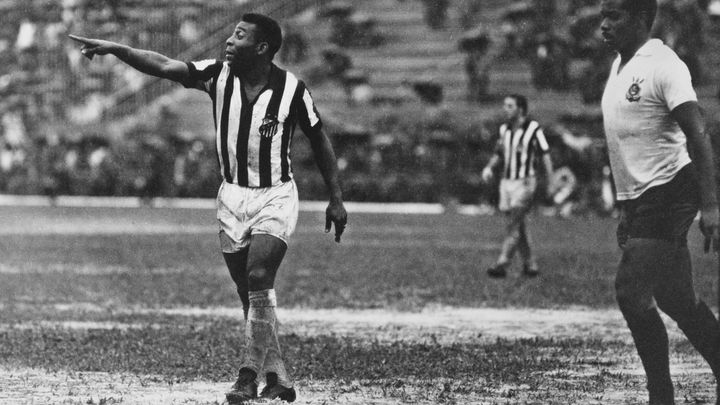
column 691, row 122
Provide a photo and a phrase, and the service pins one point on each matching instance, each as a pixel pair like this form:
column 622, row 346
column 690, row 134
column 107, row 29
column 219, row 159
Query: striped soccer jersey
column 253, row 137
column 520, row 149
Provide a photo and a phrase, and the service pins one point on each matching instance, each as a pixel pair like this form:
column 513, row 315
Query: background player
column 520, row 146
column 653, row 128
column 256, row 106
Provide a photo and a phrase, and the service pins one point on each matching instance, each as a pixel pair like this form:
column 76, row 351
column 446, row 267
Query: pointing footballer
column 256, row 107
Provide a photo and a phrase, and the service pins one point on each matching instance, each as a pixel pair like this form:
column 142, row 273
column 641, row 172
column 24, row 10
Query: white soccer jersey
column 253, row 136
column 645, row 145
column 520, row 149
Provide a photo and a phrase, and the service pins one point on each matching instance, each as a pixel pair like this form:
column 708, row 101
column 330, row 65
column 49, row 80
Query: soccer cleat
column 497, row 271
column 273, row 390
column 530, row 271
column 244, row 389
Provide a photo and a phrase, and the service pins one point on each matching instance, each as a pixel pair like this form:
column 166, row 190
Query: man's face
column 242, row 46
column 619, row 28
column 511, row 109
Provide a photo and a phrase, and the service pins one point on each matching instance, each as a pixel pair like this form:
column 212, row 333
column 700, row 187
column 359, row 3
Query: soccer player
column 256, row 106
column 662, row 164
column 520, row 146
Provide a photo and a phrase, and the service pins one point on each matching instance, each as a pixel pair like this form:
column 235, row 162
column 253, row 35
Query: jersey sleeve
column 304, row 107
column 675, row 83
column 202, row 74
column 541, row 140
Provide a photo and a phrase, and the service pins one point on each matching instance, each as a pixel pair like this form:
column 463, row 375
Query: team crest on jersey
column 269, row 126
column 633, row 93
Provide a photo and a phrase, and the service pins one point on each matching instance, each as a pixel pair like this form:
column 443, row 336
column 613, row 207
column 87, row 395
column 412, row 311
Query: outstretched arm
column 148, row 62
column 327, row 163
column 691, row 122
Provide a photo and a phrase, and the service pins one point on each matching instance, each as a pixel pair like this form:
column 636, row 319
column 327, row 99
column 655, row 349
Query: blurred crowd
column 561, row 42
column 52, row 101
column 151, row 160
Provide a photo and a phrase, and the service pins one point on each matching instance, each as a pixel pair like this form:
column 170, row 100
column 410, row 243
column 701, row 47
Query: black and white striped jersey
column 521, row 149
column 253, row 137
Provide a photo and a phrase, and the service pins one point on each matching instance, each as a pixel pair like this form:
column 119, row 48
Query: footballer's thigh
column 265, row 254
column 237, row 265
column 640, row 269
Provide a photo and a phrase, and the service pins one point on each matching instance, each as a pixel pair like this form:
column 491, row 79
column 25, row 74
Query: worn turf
column 63, row 271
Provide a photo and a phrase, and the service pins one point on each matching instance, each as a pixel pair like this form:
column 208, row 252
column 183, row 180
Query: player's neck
column 629, row 51
column 518, row 122
column 255, row 74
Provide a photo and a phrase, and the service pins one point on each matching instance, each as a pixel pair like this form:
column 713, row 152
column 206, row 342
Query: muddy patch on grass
column 32, row 386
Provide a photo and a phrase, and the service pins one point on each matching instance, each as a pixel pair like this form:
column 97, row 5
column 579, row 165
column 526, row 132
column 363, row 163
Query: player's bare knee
column 259, row 278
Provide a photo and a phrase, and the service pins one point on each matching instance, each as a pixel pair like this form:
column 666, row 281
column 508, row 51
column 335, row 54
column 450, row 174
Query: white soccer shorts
column 246, row 211
column 517, row 193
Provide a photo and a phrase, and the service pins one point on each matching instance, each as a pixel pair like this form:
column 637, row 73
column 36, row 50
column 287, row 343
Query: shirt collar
column 649, row 47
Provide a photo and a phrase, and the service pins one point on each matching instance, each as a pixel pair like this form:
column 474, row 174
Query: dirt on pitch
column 518, row 356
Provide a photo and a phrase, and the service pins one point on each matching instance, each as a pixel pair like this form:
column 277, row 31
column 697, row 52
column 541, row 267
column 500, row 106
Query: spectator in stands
column 27, row 36
column 680, row 24
column 550, row 62
column 468, row 11
column 190, row 31
column 350, row 29
column 479, row 54
column 335, row 63
column 294, row 45
column 435, row 13
column 357, row 87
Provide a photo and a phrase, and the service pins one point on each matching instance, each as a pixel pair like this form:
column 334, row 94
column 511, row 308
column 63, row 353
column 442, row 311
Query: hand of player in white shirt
column 709, row 222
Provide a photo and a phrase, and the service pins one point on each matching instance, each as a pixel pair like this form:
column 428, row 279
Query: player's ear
column 262, row 48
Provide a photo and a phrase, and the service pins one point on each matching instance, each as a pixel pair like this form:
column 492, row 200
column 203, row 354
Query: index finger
column 80, row 39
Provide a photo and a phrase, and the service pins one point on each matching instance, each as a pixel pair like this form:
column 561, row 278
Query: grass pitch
column 92, row 301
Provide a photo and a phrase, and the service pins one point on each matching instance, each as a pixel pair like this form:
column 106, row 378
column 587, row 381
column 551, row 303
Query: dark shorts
column 662, row 212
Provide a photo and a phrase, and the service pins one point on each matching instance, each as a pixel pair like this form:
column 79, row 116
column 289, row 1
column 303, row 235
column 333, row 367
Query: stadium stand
column 391, row 89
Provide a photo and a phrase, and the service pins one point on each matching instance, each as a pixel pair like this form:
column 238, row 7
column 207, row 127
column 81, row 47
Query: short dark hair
column 520, row 101
column 635, row 7
column 268, row 30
